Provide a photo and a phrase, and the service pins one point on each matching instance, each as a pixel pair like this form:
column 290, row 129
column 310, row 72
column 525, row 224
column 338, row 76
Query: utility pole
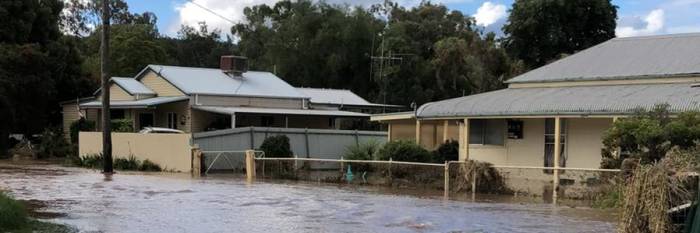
column 104, row 68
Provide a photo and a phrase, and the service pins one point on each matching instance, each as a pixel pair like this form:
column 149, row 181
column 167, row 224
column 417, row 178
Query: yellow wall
column 117, row 93
column 159, row 85
column 584, row 142
column 170, row 151
column 70, row 114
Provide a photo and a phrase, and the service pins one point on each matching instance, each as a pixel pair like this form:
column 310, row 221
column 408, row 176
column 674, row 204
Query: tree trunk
column 104, row 66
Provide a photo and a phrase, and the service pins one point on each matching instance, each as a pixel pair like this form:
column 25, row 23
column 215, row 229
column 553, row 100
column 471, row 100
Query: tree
column 38, row 66
column 541, row 31
column 199, row 47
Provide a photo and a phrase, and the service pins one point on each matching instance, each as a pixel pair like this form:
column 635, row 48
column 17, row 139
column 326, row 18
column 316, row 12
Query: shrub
column 94, row 161
column 649, row 135
column 130, row 163
column 80, row 125
column 401, row 150
column 448, row 151
column 149, row 166
column 362, row 151
column 277, row 146
column 53, row 144
column 13, row 215
column 122, row 125
column 488, row 179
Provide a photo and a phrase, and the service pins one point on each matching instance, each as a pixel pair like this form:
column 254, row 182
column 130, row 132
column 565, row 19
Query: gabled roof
column 337, row 97
column 209, row 81
column 578, row 100
column 625, row 58
column 132, row 86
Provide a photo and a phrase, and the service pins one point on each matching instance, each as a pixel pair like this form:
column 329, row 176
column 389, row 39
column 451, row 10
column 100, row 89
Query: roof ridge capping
column 642, row 57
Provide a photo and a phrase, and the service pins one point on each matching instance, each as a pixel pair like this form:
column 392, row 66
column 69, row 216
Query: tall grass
column 13, row 214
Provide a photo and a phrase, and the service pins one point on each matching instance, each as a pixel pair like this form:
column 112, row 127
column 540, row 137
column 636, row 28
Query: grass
column 14, row 218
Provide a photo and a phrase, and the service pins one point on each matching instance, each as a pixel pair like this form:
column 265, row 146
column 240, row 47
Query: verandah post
column 557, row 154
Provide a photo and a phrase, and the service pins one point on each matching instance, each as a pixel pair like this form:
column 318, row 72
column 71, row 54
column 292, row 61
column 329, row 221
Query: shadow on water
column 137, row 202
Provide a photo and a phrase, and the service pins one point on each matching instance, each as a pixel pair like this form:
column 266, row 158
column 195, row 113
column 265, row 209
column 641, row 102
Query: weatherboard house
column 202, row 99
column 577, row 98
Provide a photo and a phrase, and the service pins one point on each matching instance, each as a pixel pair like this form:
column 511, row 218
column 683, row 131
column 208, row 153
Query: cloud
column 191, row 13
column 489, row 13
column 653, row 23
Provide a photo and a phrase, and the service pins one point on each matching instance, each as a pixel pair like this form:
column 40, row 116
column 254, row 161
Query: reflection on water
column 177, row 203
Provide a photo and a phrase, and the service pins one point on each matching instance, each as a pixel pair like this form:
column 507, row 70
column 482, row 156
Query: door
column 145, row 120
column 549, row 144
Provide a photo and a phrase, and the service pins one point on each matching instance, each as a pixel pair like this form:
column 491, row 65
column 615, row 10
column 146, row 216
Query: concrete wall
column 170, row 151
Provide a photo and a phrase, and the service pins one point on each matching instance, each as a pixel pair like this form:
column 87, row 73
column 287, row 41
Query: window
column 267, row 121
column 486, row 132
column 549, row 144
column 116, row 114
column 172, row 120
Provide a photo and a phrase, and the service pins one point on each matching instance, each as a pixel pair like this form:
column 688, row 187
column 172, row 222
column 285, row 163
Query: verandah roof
column 578, row 100
column 283, row 111
column 142, row 103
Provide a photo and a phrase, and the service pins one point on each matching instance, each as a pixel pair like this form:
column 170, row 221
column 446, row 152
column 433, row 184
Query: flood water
column 177, row 203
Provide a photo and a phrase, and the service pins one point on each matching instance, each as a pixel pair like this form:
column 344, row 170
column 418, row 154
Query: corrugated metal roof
column 233, row 110
column 215, row 82
column 579, row 100
column 132, row 86
column 142, row 103
column 333, row 96
column 625, row 58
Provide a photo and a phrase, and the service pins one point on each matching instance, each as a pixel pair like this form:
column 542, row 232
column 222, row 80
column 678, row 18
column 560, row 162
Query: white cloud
column 654, row 23
column 489, row 13
column 191, row 14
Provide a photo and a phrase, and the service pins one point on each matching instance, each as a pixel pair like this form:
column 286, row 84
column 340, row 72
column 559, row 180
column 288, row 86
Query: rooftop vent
column 234, row 66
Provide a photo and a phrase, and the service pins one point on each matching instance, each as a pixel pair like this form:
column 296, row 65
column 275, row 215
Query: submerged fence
column 305, row 143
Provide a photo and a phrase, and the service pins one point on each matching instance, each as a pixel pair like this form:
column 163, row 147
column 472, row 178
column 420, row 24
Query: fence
column 305, row 143
column 452, row 177
column 170, row 151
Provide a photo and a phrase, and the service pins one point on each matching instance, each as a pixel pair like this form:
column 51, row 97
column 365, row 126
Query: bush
column 13, row 215
column 277, row 146
column 362, row 151
column 94, row 161
column 53, row 144
column 401, row 150
column 130, row 163
column 149, row 166
column 122, row 125
column 448, row 151
column 649, row 135
column 80, row 125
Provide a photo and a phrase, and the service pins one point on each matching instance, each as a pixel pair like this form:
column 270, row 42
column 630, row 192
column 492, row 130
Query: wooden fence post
column 447, row 180
column 250, row 165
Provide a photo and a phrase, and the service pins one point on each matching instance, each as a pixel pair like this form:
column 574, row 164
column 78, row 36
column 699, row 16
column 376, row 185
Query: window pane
column 476, row 131
column 495, row 130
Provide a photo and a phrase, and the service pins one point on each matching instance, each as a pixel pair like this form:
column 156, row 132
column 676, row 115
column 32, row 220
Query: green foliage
column 94, row 161
column 53, row 144
column 362, row 151
column 129, row 163
column 80, row 125
column 277, row 146
column 402, row 150
column 123, row 125
column 649, row 135
column 149, row 166
column 541, row 31
column 448, row 151
column 13, row 214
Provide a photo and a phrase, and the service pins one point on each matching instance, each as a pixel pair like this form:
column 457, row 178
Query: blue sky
column 635, row 17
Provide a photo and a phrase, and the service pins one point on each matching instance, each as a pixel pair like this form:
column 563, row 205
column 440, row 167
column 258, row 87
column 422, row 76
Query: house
column 578, row 96
column 203, row 99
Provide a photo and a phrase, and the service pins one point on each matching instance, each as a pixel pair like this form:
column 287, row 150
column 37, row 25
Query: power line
column 213, row 12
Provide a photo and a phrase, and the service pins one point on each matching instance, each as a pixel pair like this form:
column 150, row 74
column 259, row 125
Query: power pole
column 104, row 68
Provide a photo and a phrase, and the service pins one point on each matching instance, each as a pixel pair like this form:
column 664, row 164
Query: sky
column 635, row 17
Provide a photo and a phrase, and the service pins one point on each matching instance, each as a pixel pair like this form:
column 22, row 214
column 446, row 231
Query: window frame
column 485, row 129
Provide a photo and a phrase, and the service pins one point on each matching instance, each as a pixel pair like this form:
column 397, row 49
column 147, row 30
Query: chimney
column 234, row 66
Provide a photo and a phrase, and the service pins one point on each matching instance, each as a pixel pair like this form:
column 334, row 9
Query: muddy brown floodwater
column 177, row 203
